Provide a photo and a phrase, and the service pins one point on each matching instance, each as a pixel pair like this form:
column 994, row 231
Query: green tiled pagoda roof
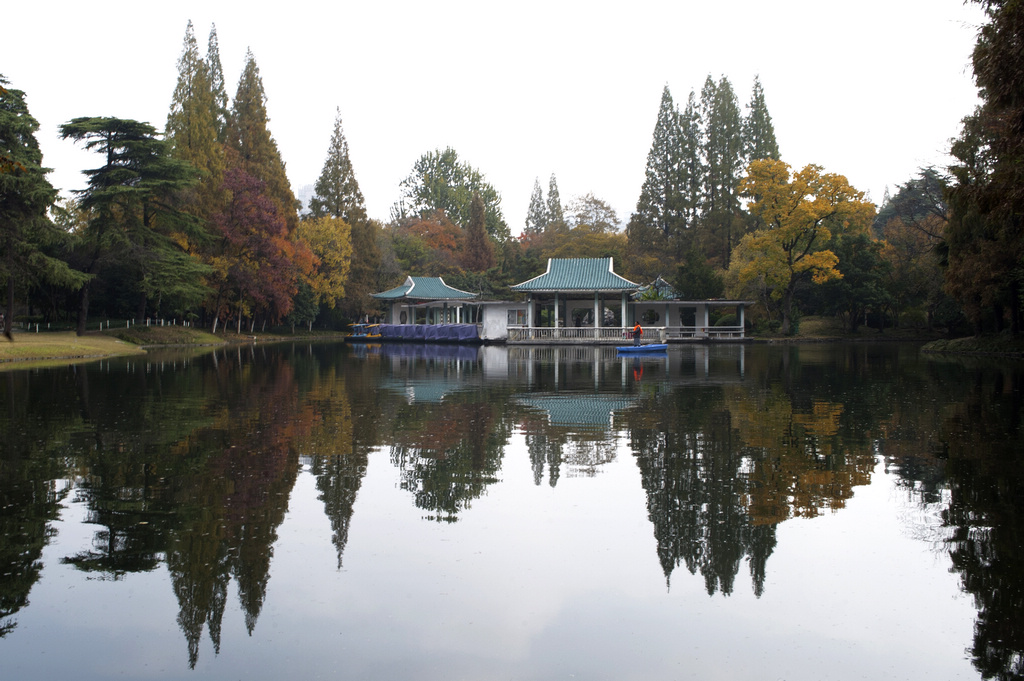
column 576, row 410
column 578, row 274
column 424, row 288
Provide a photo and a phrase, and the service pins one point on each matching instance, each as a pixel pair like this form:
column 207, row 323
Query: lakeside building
column 575, row 301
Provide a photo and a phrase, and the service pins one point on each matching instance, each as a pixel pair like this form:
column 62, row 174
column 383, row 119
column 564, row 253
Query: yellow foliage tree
column 330, row 239
column 797, row 217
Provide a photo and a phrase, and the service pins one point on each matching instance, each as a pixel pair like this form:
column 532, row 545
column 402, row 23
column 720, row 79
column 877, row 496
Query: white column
column 597, row 310
column 739, row 316
column 625, row 322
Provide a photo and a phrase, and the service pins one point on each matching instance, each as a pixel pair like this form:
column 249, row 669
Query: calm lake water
column 443, row 513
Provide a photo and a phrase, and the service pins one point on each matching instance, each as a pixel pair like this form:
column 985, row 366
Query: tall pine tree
column 693, row 169
column 337, row 195
column 25, row 197
column 220, row 93
column 660, row 203
column 477, row 252
column 556, row 215
column 723, row 156
column 537, row 213
column 336, row 192
column 256, row 151
column 192, row 130
column 758, row 132
column 658, row 218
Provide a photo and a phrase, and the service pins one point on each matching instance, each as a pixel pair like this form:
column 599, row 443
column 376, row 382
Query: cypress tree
column 220, row 93
column 337, row 192
column 556, row 215
column 248, row 135
column 723, row 154
column 537, row 213
column 723, row 145
column 192, row 129
column 758, row 133
column 478, row 254
column 693, row 168
column 660, row 202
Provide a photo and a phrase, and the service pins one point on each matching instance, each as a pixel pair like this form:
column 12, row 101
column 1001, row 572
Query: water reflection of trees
column 30, row 497
column 448, row 452
column 986, row 515
column 39, row 419
column 723, row 465
column 338, row 446
column 695, row 476
column 194, row 466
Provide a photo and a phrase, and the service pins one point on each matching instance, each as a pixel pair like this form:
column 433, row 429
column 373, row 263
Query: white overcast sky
column 872, row 90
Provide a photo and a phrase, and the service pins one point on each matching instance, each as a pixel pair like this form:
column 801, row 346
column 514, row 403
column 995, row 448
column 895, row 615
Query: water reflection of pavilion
column 578, row 412
column 695, row 363
column 574, row 429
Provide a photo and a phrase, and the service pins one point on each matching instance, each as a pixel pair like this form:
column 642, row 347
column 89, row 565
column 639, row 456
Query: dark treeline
column 199, row 223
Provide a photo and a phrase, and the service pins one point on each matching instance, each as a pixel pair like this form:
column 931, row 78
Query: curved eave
column 575, row 290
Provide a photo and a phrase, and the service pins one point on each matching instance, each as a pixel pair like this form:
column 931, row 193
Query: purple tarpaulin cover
column 430, row 332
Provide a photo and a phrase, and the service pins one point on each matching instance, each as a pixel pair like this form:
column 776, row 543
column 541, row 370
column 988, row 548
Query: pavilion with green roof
column 426, row 300
column 575, row 300
column 576, row 293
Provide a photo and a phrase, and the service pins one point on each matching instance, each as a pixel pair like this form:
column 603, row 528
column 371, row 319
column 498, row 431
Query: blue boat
column 651, row 347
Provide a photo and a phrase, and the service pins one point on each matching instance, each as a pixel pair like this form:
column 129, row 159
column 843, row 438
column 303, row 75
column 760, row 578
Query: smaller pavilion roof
column 659, row 289
column 578, row 274
column 424, row 288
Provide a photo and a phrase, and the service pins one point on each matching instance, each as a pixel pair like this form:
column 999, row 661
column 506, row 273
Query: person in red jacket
column 638, row 332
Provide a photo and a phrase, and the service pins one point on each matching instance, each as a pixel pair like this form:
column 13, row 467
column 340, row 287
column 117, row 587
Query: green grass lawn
column 55, row 348
column 35, row 349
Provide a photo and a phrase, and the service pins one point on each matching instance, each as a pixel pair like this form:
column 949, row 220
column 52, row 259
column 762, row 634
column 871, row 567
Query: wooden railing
column 682, row 332
column 617, row 334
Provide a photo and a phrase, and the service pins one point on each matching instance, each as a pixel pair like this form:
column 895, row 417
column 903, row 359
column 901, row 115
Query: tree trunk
column 787, row 311
column 141, row 310
column 83, row 310
column 1015, row 321
column 9, row 317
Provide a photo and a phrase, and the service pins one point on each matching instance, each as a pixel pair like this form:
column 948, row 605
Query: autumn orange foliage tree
column 256, row 262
